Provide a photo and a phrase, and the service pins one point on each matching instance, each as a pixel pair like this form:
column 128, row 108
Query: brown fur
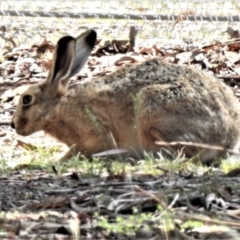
column 136, row 106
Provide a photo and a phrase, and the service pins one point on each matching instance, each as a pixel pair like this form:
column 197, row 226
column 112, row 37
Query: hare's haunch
column 132, row 108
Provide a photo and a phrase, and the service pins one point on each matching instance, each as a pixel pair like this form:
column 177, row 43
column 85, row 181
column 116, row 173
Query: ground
column 150, row 198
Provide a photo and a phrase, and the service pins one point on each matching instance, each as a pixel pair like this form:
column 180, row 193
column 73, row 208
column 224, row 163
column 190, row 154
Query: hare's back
column 132, row 79
column 158, row 83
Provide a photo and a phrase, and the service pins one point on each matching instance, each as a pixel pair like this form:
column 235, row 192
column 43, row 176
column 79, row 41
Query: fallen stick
column 199, row 145
column 4, row 123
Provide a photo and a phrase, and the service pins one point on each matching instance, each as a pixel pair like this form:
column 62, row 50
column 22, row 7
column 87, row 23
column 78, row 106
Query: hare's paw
column 72, row 152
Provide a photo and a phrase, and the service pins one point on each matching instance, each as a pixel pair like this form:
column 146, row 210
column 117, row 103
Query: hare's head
column 36, row 103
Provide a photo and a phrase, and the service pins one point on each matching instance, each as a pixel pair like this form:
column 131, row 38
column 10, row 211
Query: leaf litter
column 36, row 204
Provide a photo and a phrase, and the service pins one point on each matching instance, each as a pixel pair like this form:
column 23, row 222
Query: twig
column 10, row 39
column 132, row 35
column 4, row 123
column 163, row 204
column 233, row 213
column 235, row 41
column 228, row 77
column 18, row 82
column 189, row 205
column 199, row 145
column 184, row 216
column 169, row 207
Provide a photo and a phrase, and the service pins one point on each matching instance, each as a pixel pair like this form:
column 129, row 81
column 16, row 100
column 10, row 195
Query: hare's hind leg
column 148, row 125
column 149, row 135
column 167, row 113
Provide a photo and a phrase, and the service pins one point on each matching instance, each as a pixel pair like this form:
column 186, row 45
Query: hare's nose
column 12, row 125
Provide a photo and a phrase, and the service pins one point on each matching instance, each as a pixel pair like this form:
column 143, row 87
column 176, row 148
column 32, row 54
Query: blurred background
column 170, row 22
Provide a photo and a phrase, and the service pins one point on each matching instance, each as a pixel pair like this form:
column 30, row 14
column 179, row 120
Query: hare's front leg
column 92, row 144
column 73, row 151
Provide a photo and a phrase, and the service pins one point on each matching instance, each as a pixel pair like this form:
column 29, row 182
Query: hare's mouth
column 21, row 132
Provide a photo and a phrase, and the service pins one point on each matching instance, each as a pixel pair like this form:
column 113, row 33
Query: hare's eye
column 27, row 99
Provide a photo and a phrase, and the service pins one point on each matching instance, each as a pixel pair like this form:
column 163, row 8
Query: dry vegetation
column 150, row 198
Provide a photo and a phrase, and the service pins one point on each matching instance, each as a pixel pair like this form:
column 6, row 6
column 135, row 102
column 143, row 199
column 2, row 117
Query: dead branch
column 204, row 219
column 4, row 123
column 228, row 77
column 8, row 39
column 199, row 145
column 132, row 35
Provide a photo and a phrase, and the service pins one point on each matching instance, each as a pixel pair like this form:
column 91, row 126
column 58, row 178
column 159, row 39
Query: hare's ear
column 70, row 56
column 83, row 48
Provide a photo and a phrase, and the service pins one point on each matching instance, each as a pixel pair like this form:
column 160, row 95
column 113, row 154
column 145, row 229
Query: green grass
column 132, row 223
column 43, row 158
column 228, row 165
column 192, row 224
column 46, row 157
column 137, row 221
column 4, row 168
column 163, row 218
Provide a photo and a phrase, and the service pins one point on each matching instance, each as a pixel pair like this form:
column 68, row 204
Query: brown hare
column 131, row 108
